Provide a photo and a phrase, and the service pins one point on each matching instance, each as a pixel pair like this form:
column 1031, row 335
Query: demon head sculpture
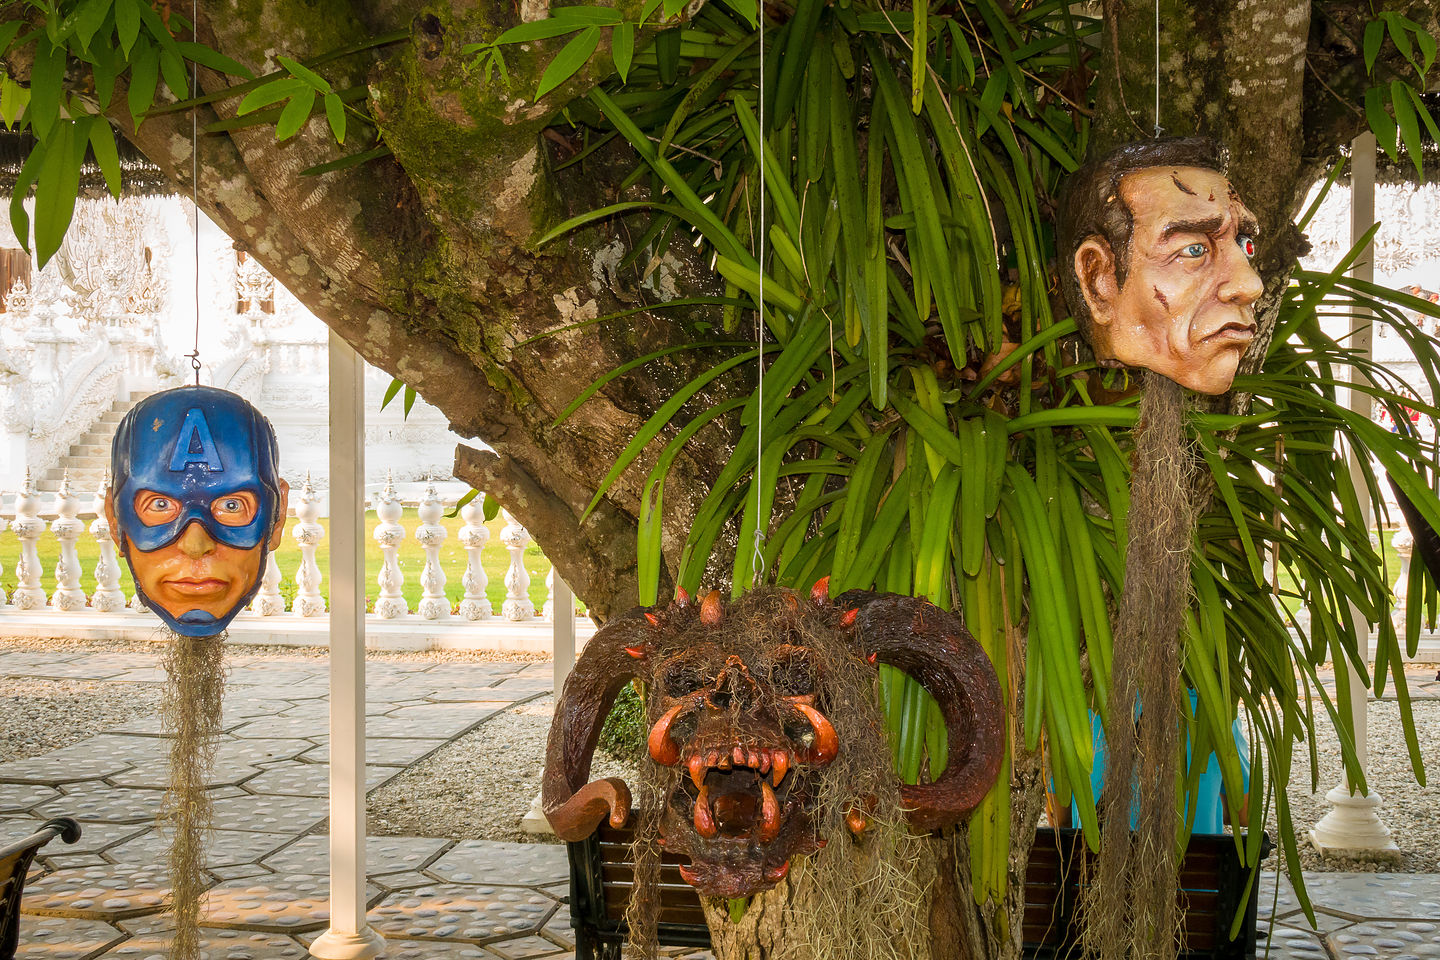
column 763, row 719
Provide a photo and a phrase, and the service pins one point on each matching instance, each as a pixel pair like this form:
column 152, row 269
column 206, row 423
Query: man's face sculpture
column 751, row 706
column 1183, row 302
column 196, row 503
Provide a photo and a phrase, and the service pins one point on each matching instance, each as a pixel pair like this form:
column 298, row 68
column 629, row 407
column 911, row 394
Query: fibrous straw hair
column 190, row 715
column 1130, row 906
column 856, row 899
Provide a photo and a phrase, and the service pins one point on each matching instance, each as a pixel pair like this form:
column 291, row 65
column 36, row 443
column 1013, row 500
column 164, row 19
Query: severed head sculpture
column 196, row 503
column 1155, row 249
column 764, row 731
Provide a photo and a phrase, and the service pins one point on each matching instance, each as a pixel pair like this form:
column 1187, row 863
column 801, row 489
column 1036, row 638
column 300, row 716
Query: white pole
column 563, row 644
column 1353, row 826
column 349, row 937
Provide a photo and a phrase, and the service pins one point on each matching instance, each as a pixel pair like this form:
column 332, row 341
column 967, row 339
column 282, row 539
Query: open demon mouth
column 737, row 793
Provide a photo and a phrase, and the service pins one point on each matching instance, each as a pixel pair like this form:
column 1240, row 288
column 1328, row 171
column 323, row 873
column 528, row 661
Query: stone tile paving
column 434, row 899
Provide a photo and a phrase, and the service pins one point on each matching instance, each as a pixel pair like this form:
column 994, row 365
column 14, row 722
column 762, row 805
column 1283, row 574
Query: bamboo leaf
column 295, row 114
column 304, row 74
column 622, row 49
column 569, row 60
column 335, row 115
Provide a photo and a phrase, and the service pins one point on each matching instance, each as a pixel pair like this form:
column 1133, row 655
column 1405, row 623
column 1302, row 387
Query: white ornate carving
column 517, row 580
column 3, row 599
column 473, row 537
column 268, row 602
column 388, row 533
column 430, row 534
column 108, row 598
column 67, row 529
column 309, row 533
column 29, row 594
column 548, row 611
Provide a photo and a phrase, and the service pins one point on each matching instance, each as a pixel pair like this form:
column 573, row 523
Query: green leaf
column 102, row 145
column 304, row 74
column 335, row 114
column 29, row 170
column 746, row 8
column 410, row 395
column 205, row 57
column 1408, row 123
column 127, row 24
column 1374, row 37
column 177, row 78
column 622, row 49
column 47, row 78
column 144, row 75
column 588, row 16
column 569, row 60
column 56, row 189
column 396, row 385
column 296, row 112
column 1427, row 45
column 13, row 99
column 104, row 68
column 281, row 88
column 8, row 32
column 346, row 162
column 89, row 18
column 492, row 509
column 1399, row 35
column 537, row 30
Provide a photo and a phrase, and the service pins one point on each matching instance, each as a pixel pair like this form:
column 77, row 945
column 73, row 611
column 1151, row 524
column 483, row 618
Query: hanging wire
column 1158, row 129
column 757, row 557
column 194, row 355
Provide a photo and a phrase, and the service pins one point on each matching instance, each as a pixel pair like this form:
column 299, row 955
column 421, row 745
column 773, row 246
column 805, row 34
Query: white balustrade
column 388, row 533
column 29, row 595
column 517, row 578
column 67, row 529
column 268, row 601
column 430, row 534
column 473, row 537
column 108, row 597
column 309, row 602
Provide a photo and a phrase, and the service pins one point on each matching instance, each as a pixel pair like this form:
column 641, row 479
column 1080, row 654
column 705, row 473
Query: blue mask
column 193, row 446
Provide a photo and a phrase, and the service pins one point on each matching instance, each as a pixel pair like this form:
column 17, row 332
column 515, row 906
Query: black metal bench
column 1211, row 879
column 15, row 860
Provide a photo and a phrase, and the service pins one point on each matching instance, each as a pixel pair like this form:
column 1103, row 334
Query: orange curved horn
column 827, row 741
column 578, row 817
column 663, row 750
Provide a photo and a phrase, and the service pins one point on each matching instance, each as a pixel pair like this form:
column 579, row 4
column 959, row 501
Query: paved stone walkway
column 433, row 899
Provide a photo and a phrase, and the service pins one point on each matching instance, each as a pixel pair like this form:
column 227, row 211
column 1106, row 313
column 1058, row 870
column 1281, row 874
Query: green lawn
column 412, row 561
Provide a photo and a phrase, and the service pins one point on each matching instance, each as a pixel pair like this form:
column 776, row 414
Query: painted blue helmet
column 194, row 445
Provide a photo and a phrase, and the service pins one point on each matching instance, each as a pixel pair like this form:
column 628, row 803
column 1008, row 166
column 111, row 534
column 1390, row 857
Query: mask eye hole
column 682, row 678
column 234, row 509
column 792, row 671
column 155, row 508
column 1247, row 245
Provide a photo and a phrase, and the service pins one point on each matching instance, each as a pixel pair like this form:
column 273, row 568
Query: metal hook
column 194, row 357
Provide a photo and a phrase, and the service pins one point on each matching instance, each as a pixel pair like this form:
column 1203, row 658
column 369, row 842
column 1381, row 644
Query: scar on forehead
column 1161, row 297
column 1180, row 185
column 155, row 427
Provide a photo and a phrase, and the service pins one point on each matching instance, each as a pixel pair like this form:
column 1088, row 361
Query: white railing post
column 268, row 602
column 473, row 537
column 3, row 524
column 29, row 594
column 1404, row 544
column 388, row 533
column 67, row 529
column 517, row 579
column 308, row 533
column 108, row 598
column 430, row 534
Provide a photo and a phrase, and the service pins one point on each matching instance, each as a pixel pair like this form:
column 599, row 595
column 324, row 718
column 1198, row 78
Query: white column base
column 534, row 820
column 344, row 945
column 1353, row 828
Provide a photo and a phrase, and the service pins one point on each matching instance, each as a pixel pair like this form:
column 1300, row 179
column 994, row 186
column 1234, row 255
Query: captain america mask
column 196, row 504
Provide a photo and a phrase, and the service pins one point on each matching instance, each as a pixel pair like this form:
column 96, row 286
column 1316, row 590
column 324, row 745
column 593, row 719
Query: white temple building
column 111, row 318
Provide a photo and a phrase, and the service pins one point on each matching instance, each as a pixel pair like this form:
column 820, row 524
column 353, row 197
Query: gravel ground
column 1412, row 812
column 37, row 716
column 478, row 787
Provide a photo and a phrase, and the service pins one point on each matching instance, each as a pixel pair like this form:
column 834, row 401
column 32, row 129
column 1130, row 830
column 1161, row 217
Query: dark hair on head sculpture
column 195, row 504
column 1154, row 247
